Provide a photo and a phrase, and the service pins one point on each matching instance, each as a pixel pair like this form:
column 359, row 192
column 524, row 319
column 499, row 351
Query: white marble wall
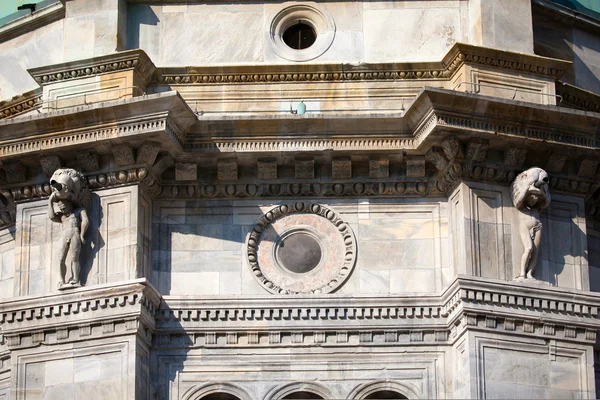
column 593, row 245
column 402, row 246
column 485, row 243
column 103, row 369
column 7, row 263
column 44, row 46
column 238, row 33
column 530, row 368
column 117, row 246
column 262, row 373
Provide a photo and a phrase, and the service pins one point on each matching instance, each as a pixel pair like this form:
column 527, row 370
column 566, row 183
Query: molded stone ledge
column 469, row 303
column 457, row 56
column 134, row 60
column 80, row 314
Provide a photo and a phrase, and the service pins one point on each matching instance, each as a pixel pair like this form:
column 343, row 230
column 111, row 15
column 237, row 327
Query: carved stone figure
column 68, row 205
column 530, row 196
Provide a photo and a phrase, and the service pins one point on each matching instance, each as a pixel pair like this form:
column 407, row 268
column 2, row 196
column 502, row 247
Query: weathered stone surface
column 341, row 169
column 267, row 169
column 227, row 170
column 186, row 172
column 379, row 168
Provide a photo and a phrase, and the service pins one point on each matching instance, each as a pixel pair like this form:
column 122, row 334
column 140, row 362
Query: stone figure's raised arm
column 51, row 213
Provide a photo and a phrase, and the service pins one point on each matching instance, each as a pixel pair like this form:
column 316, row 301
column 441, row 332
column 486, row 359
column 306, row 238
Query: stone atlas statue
column 530, row 195
column 68, row 205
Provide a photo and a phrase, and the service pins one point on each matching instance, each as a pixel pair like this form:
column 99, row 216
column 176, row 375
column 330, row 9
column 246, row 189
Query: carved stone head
column 530, row 189
column 70, row 185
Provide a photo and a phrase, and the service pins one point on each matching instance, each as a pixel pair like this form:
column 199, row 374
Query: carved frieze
column 587, row 168
column 50, row 164
column 435, row 158
column 556, row 162
column 89, row 160
column 267, row 169
column 147, row 153
column 514, row 157
column 341, row 169
column 121, row 61
column 227, row 170
column 20, row 105
column 453, row 148
column 186, row 172
column 477, row 150
column 123, row 154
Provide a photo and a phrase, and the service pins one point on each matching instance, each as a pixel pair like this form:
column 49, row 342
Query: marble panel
column 374, row 281
column 183, row 32
column 194, row 283
column 413, row 281
column 33, row 49
column 414, row 39
column 58, row 372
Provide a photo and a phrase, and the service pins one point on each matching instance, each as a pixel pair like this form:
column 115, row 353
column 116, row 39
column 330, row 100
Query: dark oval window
column 299, row 36
column 299, row 252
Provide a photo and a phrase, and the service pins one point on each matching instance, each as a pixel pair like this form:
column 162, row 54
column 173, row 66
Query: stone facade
column 238, row 247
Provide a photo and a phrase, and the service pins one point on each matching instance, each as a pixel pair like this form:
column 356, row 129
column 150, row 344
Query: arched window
column 302, row 395
column 385, row 394
column 220, row 396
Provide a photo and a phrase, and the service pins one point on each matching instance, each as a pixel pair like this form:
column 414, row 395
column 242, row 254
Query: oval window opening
column 299, row 36
column 299, row 253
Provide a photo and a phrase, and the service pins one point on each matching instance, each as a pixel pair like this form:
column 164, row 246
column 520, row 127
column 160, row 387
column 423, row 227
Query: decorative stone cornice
column 21, row 104
column 136, row 60
column 80, row 314
column 458, row 55
column 566, row 15
column 536, row 65
column 533, row 309
column 578, row 98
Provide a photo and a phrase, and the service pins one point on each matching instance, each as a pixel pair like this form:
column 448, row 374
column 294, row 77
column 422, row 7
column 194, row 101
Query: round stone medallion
column 301, row 248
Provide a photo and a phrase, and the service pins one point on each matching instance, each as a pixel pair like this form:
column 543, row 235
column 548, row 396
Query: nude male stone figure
column 530, row 195
column 67, row 206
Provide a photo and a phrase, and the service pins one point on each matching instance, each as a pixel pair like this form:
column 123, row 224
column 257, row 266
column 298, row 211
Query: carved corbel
column 453, row 148
column 227, row 170
column 123, row 154
column 88, row 159
column 341, row 168
column 477, row 150
column 186, row 172
column 50, row 164
column 556, row 162
column 514, row 157
column 147, row 153
column 435, row 158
